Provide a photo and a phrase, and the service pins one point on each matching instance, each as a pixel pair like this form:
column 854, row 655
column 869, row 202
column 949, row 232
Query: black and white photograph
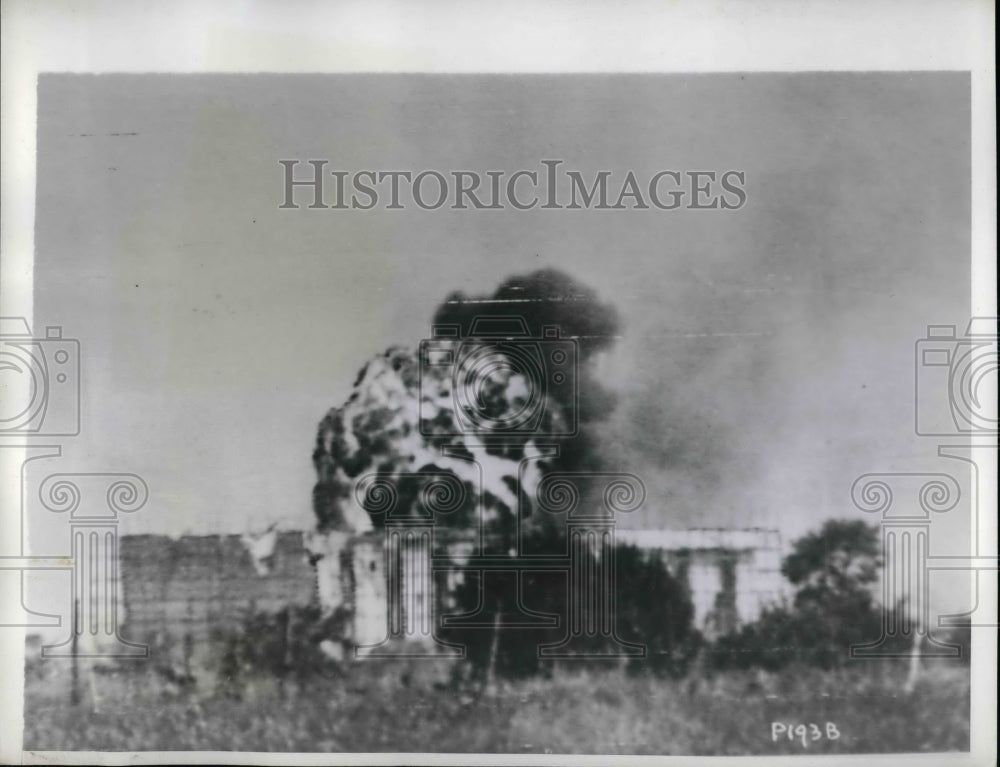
column 436, row 412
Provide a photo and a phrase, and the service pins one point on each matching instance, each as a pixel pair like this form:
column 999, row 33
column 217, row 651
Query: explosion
column 410, row 412
column 500, row 396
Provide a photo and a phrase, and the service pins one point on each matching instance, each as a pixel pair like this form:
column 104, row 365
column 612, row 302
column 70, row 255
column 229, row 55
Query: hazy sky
column 768, row 353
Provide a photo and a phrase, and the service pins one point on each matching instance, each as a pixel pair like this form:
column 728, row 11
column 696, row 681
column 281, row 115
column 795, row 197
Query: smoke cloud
column 521, row 357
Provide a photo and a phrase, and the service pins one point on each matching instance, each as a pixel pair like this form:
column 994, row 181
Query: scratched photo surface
column 500, row 414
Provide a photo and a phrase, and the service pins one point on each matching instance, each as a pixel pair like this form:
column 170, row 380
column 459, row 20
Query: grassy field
column 411, row 706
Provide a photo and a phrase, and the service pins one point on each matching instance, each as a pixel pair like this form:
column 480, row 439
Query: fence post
column 74, row 655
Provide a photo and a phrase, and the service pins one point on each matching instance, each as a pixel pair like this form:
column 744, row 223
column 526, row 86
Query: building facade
column 197, row 586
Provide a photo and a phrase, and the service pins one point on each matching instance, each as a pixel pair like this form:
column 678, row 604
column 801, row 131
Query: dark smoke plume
column 401, row 414
column 551, row 298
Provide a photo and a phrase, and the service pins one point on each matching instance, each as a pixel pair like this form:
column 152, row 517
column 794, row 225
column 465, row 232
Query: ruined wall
column 731, row 574
column 197, row 584
column 368, row 604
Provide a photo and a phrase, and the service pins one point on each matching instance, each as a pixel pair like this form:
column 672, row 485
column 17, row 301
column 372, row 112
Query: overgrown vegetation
column 834, row 572
column 276, row 684
column 407, row 706
column 289, row 644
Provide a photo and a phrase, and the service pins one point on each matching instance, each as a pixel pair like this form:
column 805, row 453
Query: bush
column 783, row 636
column 276, row 645
column 654, row 609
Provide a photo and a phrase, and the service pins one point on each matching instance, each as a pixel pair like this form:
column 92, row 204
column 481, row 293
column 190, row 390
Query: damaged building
column 199, row 586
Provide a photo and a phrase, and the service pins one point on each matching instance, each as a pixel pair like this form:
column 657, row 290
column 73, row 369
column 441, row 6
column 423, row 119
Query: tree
column 836, row 566
column 654, row 608
column 834, row 571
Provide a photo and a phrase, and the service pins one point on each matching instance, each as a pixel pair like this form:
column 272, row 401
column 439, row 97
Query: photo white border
column 454, row 36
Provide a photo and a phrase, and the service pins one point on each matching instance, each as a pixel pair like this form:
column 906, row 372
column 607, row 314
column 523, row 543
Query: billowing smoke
column 503, row 391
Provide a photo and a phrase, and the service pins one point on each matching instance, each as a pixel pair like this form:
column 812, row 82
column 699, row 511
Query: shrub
column 277, row 645
column 782, row 636
column 654, row 609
